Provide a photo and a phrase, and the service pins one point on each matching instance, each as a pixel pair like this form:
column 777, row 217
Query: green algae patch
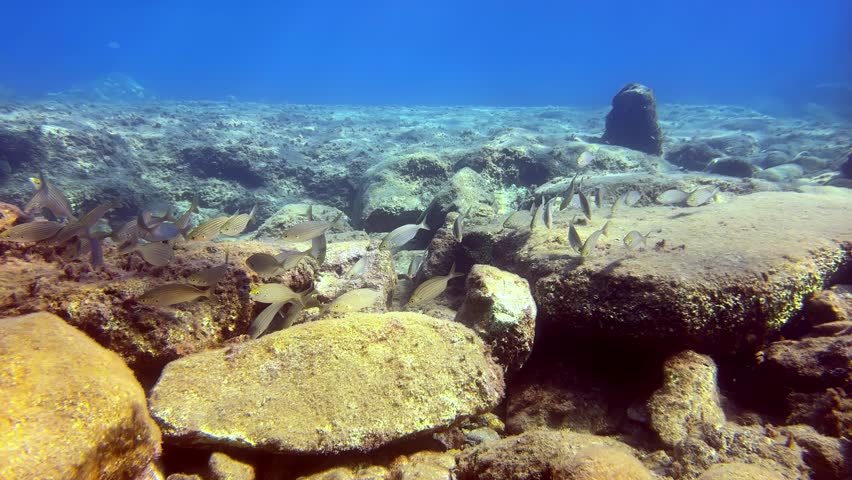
column 71, row 409
column 354, row 383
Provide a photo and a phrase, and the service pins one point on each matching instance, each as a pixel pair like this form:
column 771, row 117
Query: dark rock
column 632, row 122
column 772, row 158
column 829, row 412
column 734, row 144
column 810, row 364
column 21, row 149
column 846, row 168
column 732, row 167
column 227, row 164
column 828, row 458
column 829, row 306
column 693, row 155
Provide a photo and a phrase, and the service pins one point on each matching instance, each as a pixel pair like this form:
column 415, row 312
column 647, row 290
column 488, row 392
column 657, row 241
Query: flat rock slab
column 354, row 383
column 725, row 274
column 71, row 409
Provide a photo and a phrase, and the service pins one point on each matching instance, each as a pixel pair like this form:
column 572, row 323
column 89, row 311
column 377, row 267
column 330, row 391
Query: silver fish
column 183, row 222
column 574, row 238
column 415, row 266
column 600, row 196
column 319, row 247
column 515, row 219
column 261, row 323
column 208, row 230
column 605, row 229
column 155, row 230
column 569, row 196
column 354, row 301
column 238, row 223
column 585, row 159
column 635, row 239
column 274, row 293
column 584, row 203
column 209, row 276
column 357, row 268
column 402, row 235
column 458, row 232
column 548, row 213
column 589, row 244
column 311, row 229
column 49, row 196
column 31, row 232
column 157, row 254
column 672, row 197
column 83, row 224
column 433, row 287
column 536, row 214
column 701, row 196
column 264, row 264
column 632, row 197
column 173, row 293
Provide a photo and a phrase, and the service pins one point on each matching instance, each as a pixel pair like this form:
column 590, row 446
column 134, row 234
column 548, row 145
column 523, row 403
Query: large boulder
column 71, row 409
column 500, row 308
column 695, row 283
column 529, row 456
column 632, row 122
column 354, row 383
column 395, row 192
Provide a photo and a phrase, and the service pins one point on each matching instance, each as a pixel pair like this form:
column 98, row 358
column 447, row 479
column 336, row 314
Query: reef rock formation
column 688, row 398
column 500, row 308
column 71, row 409
column 529, row 456
column 717, row 277
column 632, row 122
column 354, row 383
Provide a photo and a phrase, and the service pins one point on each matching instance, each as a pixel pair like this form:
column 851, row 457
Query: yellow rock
column 354, row 383
column 71, row 409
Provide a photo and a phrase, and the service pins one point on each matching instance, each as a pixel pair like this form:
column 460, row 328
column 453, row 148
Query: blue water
column 432, row 52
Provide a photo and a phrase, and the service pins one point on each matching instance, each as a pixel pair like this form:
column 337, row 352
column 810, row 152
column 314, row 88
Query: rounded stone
column 354, row 383
column 71, row 409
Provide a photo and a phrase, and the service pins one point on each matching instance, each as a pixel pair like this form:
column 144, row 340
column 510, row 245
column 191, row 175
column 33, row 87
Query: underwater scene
column 420, row 240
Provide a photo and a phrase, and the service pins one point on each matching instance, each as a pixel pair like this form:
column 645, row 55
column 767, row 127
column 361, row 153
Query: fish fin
column 193, row 207
column 252, row 214
column 453, row 269
column 310, row 213
column 227, row 256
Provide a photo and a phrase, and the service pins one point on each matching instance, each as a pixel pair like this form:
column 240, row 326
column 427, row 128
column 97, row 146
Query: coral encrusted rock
column 500, row 308
column 632, row 122
column 354, row 383
column 71, row 409
column 529, row 456
column 688, row 398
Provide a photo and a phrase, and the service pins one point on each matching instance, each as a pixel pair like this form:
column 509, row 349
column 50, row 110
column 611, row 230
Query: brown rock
column 810, row 364
column 72, row 409
column 499, row 307
column 829, row 412
column 223, row 467
column 740, row 471
column 688, row 399
column 529, row 456
column 826, row 456
column 833, row 305
column 601, row 463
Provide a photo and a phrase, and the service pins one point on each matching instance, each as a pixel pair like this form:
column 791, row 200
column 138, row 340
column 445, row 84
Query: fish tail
column 338, row 221
column 252, row 214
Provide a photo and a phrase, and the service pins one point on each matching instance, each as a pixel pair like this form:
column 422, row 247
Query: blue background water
column 432, row 52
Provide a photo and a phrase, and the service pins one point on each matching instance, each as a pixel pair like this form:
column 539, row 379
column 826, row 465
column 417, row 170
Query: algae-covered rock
column 740, row 471
column 717, row 277
column 296, row 213
column 355, row 383
column 396, row 192
column 529, row 456
column 500, row 308
column 71, row 409
column 601, row 463
column 223, row 467
column 688, row 398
